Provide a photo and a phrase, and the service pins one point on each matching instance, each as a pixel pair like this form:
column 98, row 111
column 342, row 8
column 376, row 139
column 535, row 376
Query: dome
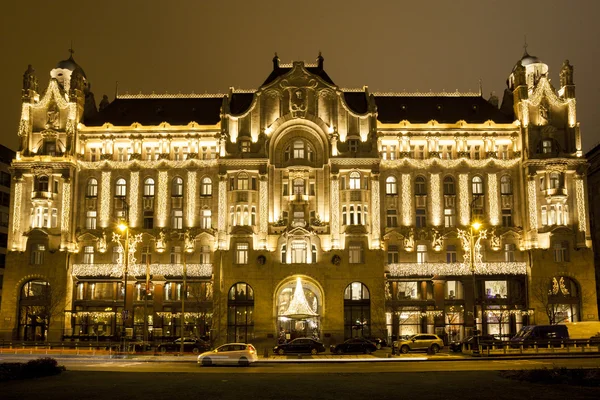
column 527, row 60
column 71, row 65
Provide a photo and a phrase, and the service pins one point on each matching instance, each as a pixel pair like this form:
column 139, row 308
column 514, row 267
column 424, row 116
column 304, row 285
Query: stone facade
column 297, row 209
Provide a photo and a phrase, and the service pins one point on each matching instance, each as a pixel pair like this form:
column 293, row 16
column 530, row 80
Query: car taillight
column 252, row 349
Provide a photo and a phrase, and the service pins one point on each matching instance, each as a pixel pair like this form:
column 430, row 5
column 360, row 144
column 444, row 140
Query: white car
column 231, row 353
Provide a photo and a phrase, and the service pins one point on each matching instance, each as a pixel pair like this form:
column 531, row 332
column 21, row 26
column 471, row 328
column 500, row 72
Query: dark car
column 544, row 335
column 356, row 345
column 379, row 342
column 300, row 345
column 193, row 345
column 485, row 340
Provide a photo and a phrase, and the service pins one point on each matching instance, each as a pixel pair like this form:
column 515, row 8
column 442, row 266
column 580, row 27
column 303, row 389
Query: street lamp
column 475, row 226
column 124, row 228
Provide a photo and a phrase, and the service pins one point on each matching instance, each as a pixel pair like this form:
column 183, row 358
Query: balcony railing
column 456, row 269
column 116, row 270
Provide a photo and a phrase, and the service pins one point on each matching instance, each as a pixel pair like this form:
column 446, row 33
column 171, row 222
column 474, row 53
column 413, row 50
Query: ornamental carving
column 39, row 171
column 52, row 117
column 49, row 134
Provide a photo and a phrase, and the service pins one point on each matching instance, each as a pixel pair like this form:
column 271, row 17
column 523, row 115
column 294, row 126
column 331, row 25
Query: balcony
column 43, row 196
column 455, row 269
column 116, row 270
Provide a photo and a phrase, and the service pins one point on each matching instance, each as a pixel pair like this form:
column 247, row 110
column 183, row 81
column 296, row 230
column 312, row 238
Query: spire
column 71, row 51
column 275, row 62
column 299, row 307
column 320, row 60
column 525, row 53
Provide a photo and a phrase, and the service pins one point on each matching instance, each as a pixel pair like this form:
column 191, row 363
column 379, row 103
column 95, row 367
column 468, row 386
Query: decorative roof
column 71, row 65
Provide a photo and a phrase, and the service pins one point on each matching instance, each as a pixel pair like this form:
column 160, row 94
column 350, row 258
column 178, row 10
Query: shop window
column 454, row 290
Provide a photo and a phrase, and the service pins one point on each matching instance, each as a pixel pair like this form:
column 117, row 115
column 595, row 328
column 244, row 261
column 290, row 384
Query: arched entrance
column 240, row 313
column 357, row 311
column 34, row 310
column 299, row 305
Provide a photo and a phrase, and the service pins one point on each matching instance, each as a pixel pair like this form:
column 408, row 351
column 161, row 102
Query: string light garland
column 147, row 164
column 105, row 199
column 335, row 212
column 66, row 208
column 134, row 195
column 222, row 218
column 16, row 220
column 463, row 190
column 456, row 269
column 493, row 199
column 531, row 194
column 264, row 207
column 161, row 199
column 406, row 200
column 375, row 204
column 429, row 163
column 580, row 195
column 191, row 198
column 436, row 209
column 116, row 270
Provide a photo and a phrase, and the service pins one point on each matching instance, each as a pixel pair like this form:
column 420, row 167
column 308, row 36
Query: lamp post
column 183, row 295
column 146, row 300
column 474, row 226
column 124, row 228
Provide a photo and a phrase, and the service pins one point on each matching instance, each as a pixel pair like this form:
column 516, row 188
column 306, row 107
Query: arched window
column 242, row 181
column 177, row 187
column 149, row 187
column 35, row 307
column 357, row 311
column 563, row 300
column 354, row 180
column 505, row 185
column 92, row 188
column 477, row 185
column 420, row 186
column 240, row 315
column 299, row 186
column 206, row 188
column 121, row 188
column 391, row 185
column 449, row 188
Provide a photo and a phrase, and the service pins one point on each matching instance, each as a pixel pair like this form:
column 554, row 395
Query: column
column 463, row 194
column 375, row 213
column 134, row 198
column 105, row 199
column 335, row 211
column 191, row 198
column 436, row 202
column 493, row 199
column 407, row 206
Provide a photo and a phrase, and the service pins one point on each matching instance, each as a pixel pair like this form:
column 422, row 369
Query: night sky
column 208, row 46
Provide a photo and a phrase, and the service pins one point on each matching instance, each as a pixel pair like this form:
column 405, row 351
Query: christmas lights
column 436, row 209
column 161, row 199
column 335, row 212
column 222, row 218
column 406, row 200
column 134, row 194
column 463, row 192
column 375, row 220
column 264, row 207
column 105, row 199
column 531, row 197
column 580, row 195
column 191, row 198
column 66, row 208
column 493, row 199
column 449, row 164
column 116, row 270
column 16, row 219
column 456, row 269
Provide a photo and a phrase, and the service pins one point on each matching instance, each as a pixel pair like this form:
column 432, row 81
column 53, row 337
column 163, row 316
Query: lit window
column 393, row 254
column 90, row 220
column 245, row 146
column 391, row 185
column 177, row 187
column 420, row 186
column 354, row 180
column 241, row 253
column 449, row 217
column 496, row 289
column 509, row 252
column 505, row 185
column 546, row 146
column 392, row 218
column 298, row 186
column 92, row 188
column 298, row 150
column 454, row 290
column 205, row 222
column 554, row 180
column 37, row 254
column 149, row 187
column 242, row 181
column 206, row 189
column 121, row 188
column 355, row 253
column 477, row 185
column 176, row 255
column 177, row 219
column 205, row 255
column 88, row 254
column 421, row 253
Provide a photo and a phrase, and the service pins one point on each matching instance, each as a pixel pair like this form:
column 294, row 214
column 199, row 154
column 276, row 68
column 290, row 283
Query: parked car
column 193, row 345
column 486, row 340
column 231, row 353
column 300, row 345
column 421, row 341
column 540, row 334
column 356, row 345
column 379, row 342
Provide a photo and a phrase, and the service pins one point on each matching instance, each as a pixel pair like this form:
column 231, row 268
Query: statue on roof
column 29, row 79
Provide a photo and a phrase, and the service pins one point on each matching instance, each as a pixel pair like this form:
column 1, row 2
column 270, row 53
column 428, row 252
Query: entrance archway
column 34, row 310
column 299, row 307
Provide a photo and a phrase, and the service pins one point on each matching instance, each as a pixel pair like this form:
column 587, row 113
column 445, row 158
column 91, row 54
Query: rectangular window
column 90, row 220
column 449, row 217
column 421, row 253
column 506, row 218
column 37, row 254
column 420, row 218
column 393, row 255
column 509, row 252
column 355, row 251
column 177, row 219
column 176, row 255
column 205, row 255
column 496, row 289
column 561, row 251
column 241, row 253
column 451, row 253
column 454, row 290
column 285, row 190
column 148, row 220
column 146, row 255
column 88, row 254
column 392, row 218
column 353, row 145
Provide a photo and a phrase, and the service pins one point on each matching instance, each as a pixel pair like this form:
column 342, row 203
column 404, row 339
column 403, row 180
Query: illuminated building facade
column 298, row 209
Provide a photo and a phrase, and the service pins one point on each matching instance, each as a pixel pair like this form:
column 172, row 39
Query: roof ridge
column 428, row 94
column 170, row 95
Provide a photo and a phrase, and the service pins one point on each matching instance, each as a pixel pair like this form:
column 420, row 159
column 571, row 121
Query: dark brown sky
column 208, row 46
